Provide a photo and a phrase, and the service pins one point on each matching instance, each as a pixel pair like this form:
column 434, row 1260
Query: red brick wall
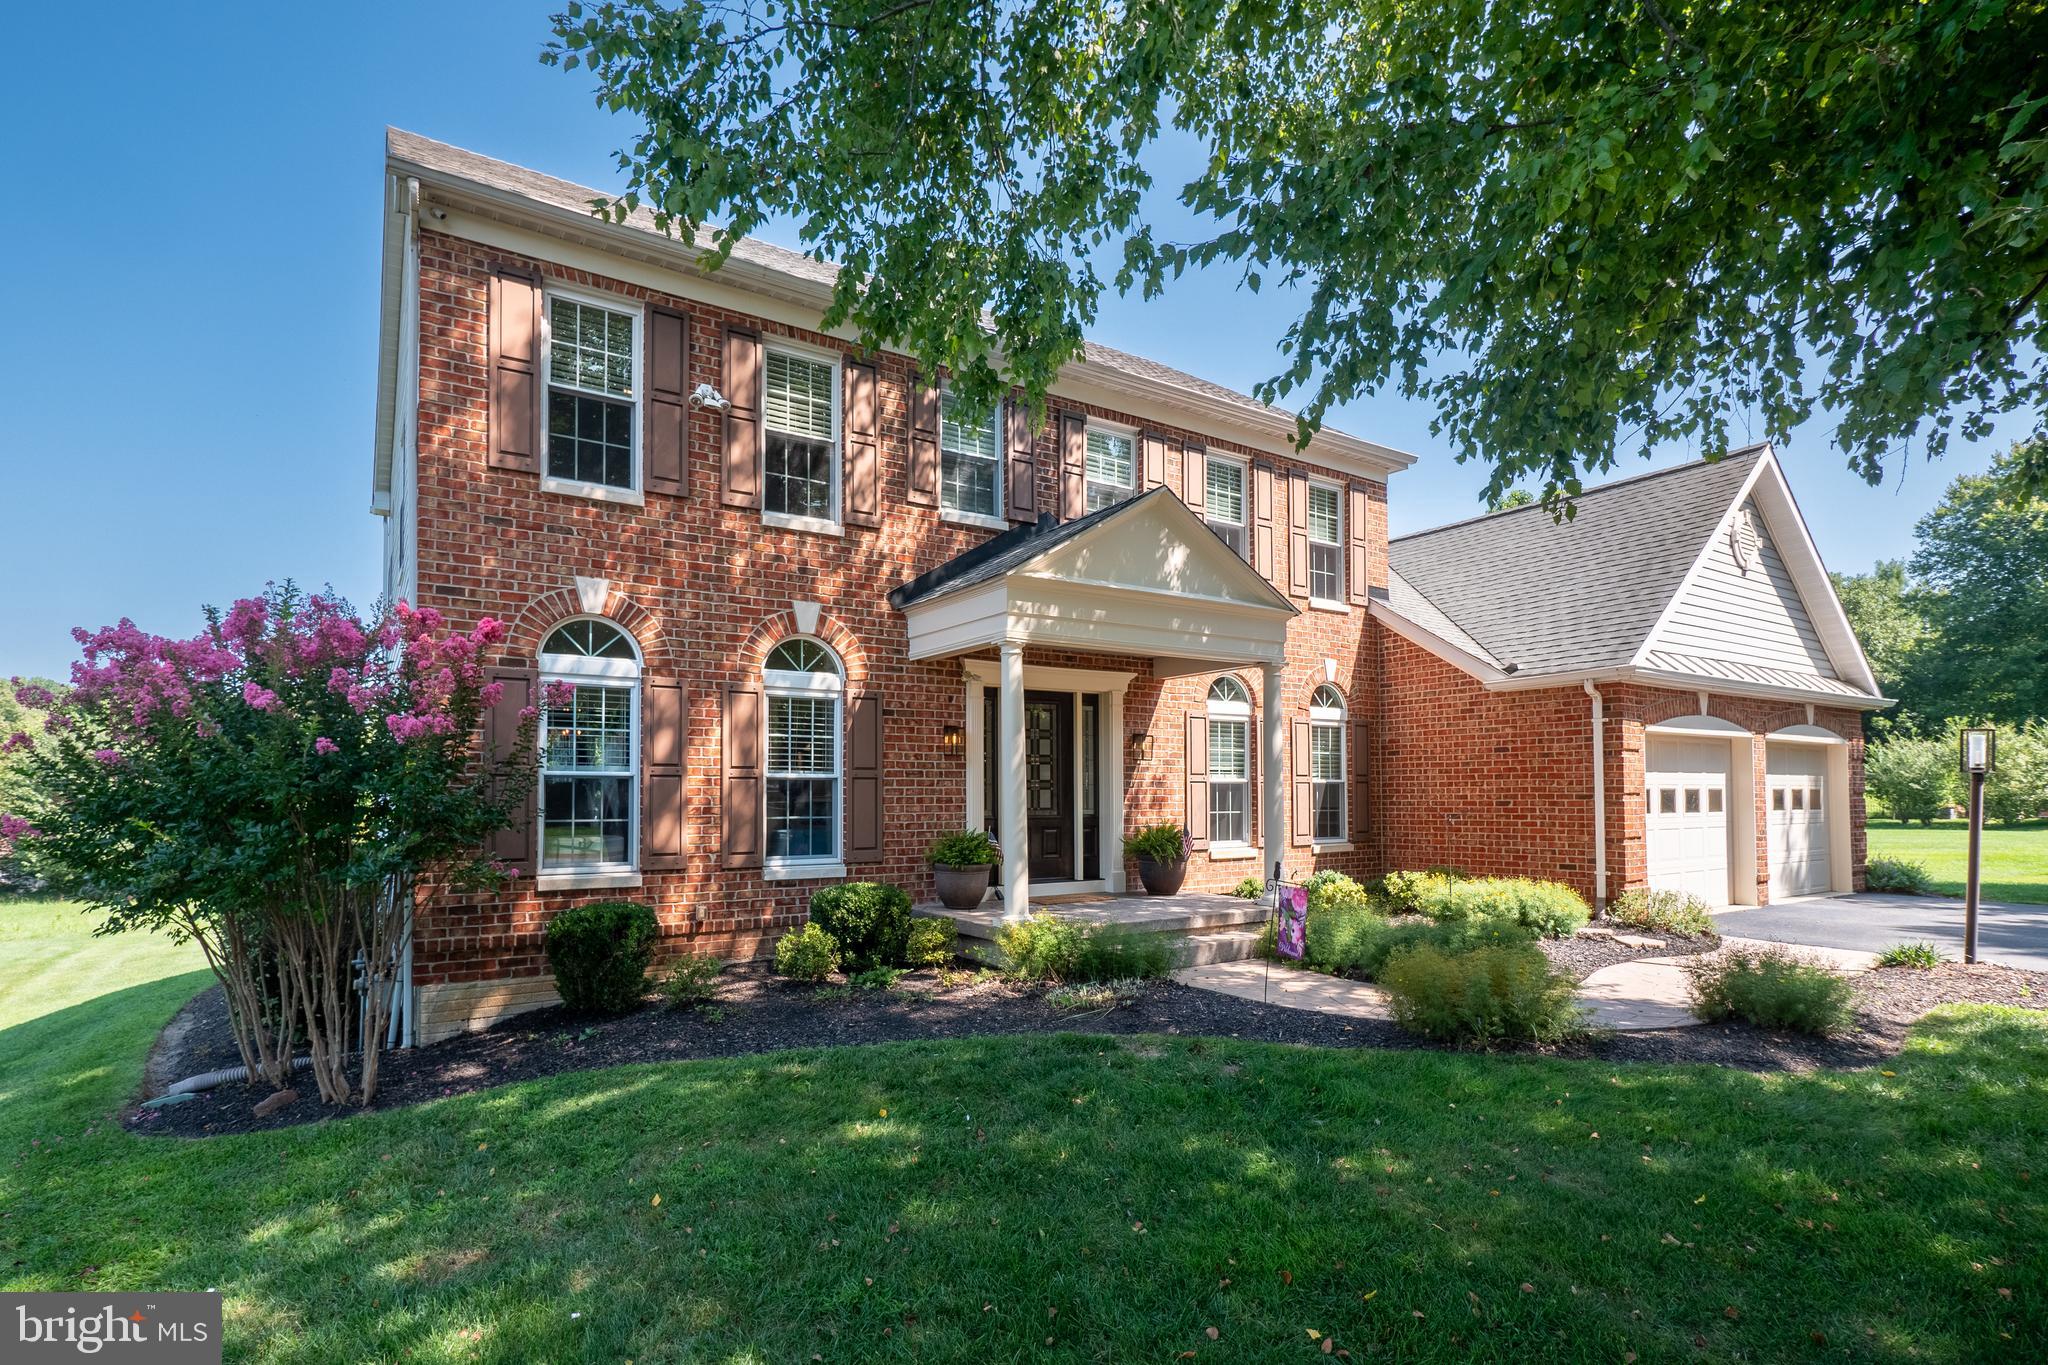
column 707, row 590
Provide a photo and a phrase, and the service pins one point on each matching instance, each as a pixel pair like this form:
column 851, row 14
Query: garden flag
column 1293, row 936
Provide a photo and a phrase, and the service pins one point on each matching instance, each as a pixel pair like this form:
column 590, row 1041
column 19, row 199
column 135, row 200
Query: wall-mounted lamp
column 1141, row 746
column 704, row 396
column 953, row 736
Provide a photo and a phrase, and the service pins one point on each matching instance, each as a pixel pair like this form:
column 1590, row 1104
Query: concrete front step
column 1188, row 913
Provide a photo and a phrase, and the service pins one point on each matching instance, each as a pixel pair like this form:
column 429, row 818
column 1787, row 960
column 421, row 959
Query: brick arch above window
column 539, row 617
column 773, row 629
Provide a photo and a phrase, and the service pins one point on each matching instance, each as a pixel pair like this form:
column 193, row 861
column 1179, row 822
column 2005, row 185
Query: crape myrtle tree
column 1573, row 228
column 275, row 788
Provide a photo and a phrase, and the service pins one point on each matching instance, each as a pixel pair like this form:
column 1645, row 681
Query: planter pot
column 961, row 888
column 1162, row 879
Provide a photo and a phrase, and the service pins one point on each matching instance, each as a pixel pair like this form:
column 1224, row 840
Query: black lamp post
column 1980, row 754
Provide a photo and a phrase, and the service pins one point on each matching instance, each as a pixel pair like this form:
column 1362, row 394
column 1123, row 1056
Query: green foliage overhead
column 1573, row 229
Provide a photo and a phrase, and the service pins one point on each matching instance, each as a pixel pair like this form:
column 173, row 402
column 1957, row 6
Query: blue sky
column 188, row 362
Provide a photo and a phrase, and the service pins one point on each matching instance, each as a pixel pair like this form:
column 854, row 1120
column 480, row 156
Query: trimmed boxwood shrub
column 1772, row 988
column 932, row 942
column 1668, row 912
column 600, row 953
column 870, row 921
column 1490, row 994
column 806, row 954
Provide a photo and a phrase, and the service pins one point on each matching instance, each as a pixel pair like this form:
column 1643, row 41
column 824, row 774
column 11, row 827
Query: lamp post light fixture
column 1979, row 756
column 953, row 737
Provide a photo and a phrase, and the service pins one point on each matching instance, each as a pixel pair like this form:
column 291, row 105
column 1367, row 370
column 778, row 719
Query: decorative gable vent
column 1743, row 538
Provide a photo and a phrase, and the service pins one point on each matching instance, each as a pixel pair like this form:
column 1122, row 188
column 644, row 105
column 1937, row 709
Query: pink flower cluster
column 13, row 827
column 16, row 742
column 324, row 746
column 438, row 665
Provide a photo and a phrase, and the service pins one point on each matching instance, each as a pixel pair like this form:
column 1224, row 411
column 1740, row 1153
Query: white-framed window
column 805, row 688
column 1325, row 543
column 970, row 460
column 590, row 750
column 592, row 344
column 1224, row 501
column 1112, row 466
column 1326, row 764
column 1230, row 763
column 800, row 438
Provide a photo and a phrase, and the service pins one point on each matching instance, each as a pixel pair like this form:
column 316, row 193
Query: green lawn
column 2015, row 857
column 1063, row 1198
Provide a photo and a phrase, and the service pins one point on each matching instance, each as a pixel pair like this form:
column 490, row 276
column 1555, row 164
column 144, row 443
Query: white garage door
column 1685, row 792
column 1797, row 816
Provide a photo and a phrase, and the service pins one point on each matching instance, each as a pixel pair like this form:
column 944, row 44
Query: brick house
column 814, row 614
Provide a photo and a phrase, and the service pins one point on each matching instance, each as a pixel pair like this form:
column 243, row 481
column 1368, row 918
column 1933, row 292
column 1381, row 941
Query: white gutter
column 1599, row 799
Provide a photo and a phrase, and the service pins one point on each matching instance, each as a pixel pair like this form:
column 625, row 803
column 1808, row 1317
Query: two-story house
column 814, row 613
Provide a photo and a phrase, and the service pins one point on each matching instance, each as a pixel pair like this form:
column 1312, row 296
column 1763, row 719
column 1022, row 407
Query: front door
column 1049, row 784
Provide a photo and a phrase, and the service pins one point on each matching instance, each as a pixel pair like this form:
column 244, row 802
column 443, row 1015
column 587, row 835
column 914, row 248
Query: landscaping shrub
column 1550, row 908
column 599, row 954
column 869, row 921
column 1162, row 843
column 1250, row 889
column 1667, row 912
column 1095, row 995
column 1331, row 890
column 1771, row 988
column 691, row 980
column 1338, row 934
column 807, row 954
column 1920, row 956
column 1043, row 948
column 1898, row 874
column 876, row 978
column 1404, row 890
column 1361, row 944
column 1507, row 991
column 932, row 942
column 964, row 848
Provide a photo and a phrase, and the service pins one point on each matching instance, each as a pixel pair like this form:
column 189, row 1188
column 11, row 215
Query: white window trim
column 1246, row 712
column 776, row 682
column 1336, row 603
column 1088, row 480
column 573, row 669
column 1325, row 715
column 1244, row 501
column 834, row 525
column 993, row 520
column 582, row 488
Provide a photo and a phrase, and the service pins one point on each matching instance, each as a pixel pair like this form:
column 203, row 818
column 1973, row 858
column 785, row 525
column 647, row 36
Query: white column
column 1272, row 763
column 1010, row 783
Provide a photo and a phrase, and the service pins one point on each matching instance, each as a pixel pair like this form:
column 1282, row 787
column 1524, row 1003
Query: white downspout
column 1599, row 799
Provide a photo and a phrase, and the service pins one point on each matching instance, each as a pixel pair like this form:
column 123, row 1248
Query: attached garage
column 1686, row 803
column 1799, row 801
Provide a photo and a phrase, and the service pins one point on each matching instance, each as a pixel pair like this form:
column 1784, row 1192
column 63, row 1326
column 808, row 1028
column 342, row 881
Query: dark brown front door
column 1049, row 784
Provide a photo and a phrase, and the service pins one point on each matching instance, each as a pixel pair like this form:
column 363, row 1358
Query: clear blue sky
column 193, row 214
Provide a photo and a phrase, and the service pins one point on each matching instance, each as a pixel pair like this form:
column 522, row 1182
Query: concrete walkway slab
column 1646, row 993
column 1289, row 986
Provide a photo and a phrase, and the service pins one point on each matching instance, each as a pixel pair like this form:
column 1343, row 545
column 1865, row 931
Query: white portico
column 1142, row 579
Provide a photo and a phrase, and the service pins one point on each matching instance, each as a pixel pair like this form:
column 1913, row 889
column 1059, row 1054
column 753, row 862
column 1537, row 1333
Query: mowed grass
column 2015, row 866
column 1065, row 1198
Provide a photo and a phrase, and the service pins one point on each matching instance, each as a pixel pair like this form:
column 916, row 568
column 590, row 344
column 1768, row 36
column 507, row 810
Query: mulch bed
column 1579, row 956
column 757, row 1012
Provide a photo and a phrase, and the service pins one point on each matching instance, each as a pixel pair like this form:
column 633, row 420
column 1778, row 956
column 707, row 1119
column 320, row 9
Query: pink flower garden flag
column 1293, row 936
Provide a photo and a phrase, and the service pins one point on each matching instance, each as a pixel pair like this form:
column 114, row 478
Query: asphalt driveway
column 2015, row 935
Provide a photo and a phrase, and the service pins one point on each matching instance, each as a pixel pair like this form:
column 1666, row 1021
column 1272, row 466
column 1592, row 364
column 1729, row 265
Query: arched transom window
column 1326, row 763
column 805, row 687
column 1230, row 768
column 590, row 749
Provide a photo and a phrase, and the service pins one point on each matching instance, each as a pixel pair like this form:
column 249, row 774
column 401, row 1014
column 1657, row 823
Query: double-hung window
column 970, row 460
column 1325, row 543
column 1230, row 766
column 1326, row 763
column 805, row 688
column 800, row 438
column 593, row 392
column 1112, row 467
column 1223, row 501
column 589, row 748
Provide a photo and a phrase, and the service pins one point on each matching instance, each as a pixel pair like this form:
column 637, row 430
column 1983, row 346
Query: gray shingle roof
column 1012, row 549
column 1551, row 597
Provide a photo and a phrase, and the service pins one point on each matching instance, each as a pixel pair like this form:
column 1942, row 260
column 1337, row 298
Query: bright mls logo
column 166, row 1329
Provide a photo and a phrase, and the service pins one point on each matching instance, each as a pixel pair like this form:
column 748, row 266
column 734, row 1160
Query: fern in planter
column 1161, row 843
column 965, row 848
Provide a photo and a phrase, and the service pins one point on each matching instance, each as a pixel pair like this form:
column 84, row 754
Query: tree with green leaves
column 1913, row 778
column 1890, row 619
column 2017, row 788
column 1574, row 230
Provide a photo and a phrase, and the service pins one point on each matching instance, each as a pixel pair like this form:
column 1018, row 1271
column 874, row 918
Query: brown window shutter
column 1073, row 466
column 668, row 402
column 863, row 450
column 1361, row 779
column 515, row 371
column 1303, row 811
column 1020, row 502
column 1297, row 534
column 1262, row 520
column 864, row 778
column 1198, row 780
column 664, row 738
column 1357, row 580
column 740, row 804
column 514, row 844
column 740, row 483
column 1155, row 462
column 924, row 443
column 1194, row 477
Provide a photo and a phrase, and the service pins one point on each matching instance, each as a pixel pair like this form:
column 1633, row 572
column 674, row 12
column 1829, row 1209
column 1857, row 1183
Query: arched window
column 806, row 688
column 590, row 749
column 1230, row 767
column 1326, row 763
